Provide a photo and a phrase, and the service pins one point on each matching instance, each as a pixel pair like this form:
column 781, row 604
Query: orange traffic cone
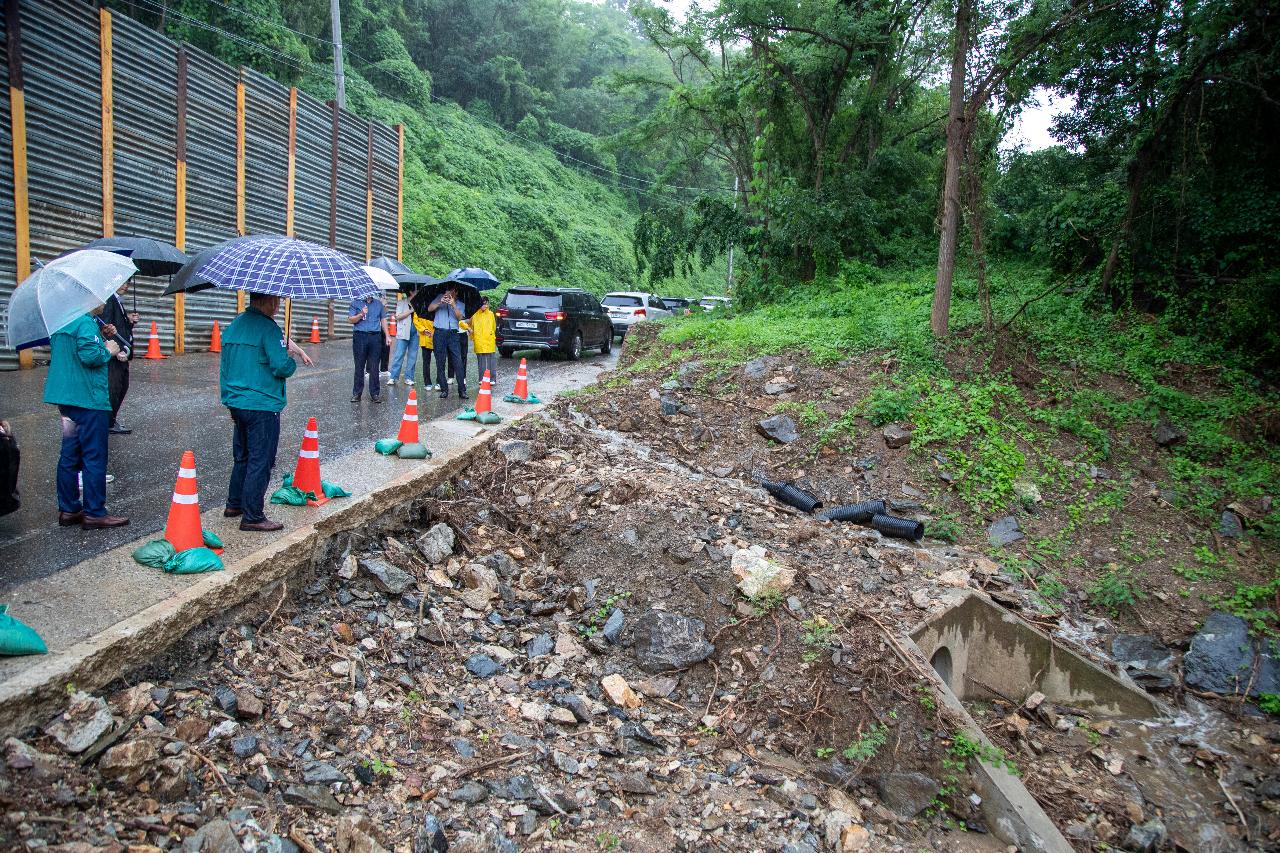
column 391, row 326
column 409, row 423
column 306, row 477
column 484, row 400
column 521, row 393
column 183, row 527
column 216, row 344
column 315, row 330
column 153, row 345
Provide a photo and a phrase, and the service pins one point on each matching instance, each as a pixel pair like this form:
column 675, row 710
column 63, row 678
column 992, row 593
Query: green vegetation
column 867, row 744
column 1115, row 588
column 1270, row 703
column 818, row 634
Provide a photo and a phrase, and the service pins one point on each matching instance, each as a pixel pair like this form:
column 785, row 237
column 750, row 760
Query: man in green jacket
column 255, row 363
column 77, row 385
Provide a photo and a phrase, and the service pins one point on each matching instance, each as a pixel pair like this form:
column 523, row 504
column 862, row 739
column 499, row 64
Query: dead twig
column 299, row 839
column 1230, row 799
column 489, row 765
column 284, row 590
column 200, row 755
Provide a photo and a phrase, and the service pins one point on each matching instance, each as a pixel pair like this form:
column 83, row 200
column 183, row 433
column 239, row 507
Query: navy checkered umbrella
column 277, row 266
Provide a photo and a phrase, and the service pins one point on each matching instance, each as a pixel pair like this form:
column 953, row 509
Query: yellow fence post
column 18, row 135
column 180, row 197
column 108, row 126
column 288, row 194
column 240, row 173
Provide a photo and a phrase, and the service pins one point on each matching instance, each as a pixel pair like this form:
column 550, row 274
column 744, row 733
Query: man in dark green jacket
column 77, row 385
column 255, row 363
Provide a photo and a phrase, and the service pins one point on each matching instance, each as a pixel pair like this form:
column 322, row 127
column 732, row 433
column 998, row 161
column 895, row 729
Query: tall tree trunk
column 956, row 136
column 1137, row 173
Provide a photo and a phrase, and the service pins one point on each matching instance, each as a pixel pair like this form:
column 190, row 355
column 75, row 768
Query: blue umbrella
column 278, row 266
column 474, row 276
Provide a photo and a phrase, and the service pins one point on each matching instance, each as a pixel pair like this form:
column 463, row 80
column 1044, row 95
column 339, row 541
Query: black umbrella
column 424, row 295
column 391, row 265
column 411, row 281
column 188, row 279
column 151, row 257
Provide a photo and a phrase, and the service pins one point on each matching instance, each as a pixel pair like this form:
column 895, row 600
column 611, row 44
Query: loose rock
column 665, row 641
column 780, row 428
column 79, row 727
column 436, row 545
column 895, row 436
column 619, row 692
column 1005, row 531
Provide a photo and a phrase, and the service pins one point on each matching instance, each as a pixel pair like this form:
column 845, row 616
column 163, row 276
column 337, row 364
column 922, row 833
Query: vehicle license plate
column 525, row 325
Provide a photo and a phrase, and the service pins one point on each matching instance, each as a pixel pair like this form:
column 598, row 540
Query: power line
column 158, row 9
column 315, row 67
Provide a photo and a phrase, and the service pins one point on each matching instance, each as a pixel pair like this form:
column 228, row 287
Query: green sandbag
column 465, row 415
column 333, row 491
column 289, row 496
column 155, row 554
column 413, row 451
column 489, row 418
column 387, row 446
column 211, row 539
column 512, row 398
column 19, row 638
column 193, row 561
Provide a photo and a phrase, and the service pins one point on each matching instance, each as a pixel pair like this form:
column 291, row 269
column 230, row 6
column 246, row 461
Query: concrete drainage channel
column 38, row 693
column 979, row 651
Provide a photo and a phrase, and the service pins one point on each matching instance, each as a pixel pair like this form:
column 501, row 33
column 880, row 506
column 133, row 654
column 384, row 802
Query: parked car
column 626, row 308
column 560, row 319
column 678, row 304
column 711, row 303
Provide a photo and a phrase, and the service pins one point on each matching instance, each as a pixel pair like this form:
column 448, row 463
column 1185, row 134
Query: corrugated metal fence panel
column 266, row 151
column 211, row 183
column 353, row 145
column 8, row 263
column 61, row 73
column 144, row 89
column 386, row 177
column 311, row 200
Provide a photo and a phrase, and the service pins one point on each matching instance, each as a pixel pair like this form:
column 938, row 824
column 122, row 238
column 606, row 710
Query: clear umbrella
column 62, row 290
column 382, row 278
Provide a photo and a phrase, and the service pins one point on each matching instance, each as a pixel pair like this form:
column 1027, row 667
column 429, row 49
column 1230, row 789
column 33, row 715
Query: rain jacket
column 484, row 325
column 426, row 330
column 78, row 367
column 255, row 363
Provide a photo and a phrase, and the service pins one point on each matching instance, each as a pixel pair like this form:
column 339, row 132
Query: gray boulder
column 436, row 545
column 516, row 450
column 907, row 794
column 1167, row 435
column 780, row 428
column 896, row 436
column 391, row 579
column 759, row 368
column 1005, row 531
column 1222, row 659
column 665, row 641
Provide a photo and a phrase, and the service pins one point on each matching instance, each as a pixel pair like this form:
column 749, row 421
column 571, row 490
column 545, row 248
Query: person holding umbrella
column 120, row 322
column 446, row 317
column 59, row 304
column 368, row 316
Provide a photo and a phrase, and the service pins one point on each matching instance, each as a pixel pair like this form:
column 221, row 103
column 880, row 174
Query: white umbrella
column 382, row 278
column 62, row 290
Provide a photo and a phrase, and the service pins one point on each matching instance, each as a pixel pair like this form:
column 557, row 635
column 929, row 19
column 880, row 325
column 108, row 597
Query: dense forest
column 602, row 142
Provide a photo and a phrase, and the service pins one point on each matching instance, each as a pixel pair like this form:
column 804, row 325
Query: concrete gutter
column 37, row 693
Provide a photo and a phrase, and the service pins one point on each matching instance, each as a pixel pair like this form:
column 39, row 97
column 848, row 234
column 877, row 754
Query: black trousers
column 117, row 385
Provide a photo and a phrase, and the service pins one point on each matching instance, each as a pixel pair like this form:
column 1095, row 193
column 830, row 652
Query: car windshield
column 536, row 301
column 623, row 301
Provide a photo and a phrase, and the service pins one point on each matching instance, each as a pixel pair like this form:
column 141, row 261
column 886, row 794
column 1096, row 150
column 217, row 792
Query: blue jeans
column 406, row 352
column 253, row 449
column 84, row 448
column 447, row 342
column 367, row 349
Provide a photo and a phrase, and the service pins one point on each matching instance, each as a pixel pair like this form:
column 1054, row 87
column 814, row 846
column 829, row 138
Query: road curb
column 34, row 695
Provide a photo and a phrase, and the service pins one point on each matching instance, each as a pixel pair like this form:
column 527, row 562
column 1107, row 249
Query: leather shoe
column 102, row 522
column 232, row 513
column 463, row 397
column 67, row 519
column 264, row 526
column 444, row 395
column 117, row 429
column 376, row 399
column 356, row 398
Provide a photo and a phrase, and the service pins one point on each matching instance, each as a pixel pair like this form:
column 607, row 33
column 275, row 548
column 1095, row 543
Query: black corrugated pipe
column 901, row 528
column 792, row 496
column 859, row 513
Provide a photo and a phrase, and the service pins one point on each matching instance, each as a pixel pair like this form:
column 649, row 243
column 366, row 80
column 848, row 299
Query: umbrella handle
column 124, row 347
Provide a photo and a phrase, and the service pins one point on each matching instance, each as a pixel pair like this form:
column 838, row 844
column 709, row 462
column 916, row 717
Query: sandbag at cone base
column 182, row 530
column 306, row 476
column 315, row 330
column 215, row 344
column 153, row 344
column 409, row 423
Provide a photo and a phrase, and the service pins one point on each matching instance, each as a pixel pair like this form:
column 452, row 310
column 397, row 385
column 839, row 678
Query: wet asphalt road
column 173, row 406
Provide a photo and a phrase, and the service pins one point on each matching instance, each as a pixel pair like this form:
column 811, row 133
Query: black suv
column 564, row 319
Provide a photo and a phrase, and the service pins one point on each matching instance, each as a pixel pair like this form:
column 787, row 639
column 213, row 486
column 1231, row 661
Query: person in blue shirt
column 446, row 315
column 368, row 316
column 256, row 360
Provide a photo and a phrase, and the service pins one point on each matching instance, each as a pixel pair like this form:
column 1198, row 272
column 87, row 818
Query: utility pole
column 728, row 281
column 339, row 79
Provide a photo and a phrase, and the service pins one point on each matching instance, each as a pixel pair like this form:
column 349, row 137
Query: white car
column 626, row 308
column 711, row 303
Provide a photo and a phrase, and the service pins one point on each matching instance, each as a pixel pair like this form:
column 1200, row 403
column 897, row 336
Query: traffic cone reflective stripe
column 306, row 476
column 182, row 529
column 391, row 327
column 315, row 330
column 153, row 344
column 522, row 381
column 216, row 344
column 484, row 400
column 409, row 423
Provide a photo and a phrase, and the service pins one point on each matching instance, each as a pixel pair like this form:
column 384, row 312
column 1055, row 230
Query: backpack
column 9, row 458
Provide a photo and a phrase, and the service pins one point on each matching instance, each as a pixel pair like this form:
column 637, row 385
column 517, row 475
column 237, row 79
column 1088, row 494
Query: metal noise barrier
column 859, row 513
column 792, row 496
column 900, row 528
